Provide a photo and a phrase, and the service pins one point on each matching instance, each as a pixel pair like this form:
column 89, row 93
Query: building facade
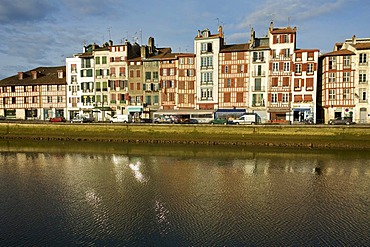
column 344, row 79
column 36, row 94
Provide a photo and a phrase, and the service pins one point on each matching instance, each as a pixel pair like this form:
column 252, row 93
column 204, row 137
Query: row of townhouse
column 267, row 75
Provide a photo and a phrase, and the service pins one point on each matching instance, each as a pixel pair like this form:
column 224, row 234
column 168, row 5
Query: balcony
column 258, row 103
column 258, row 73
column 258, row 89
column 206, row 83
column 259, row 60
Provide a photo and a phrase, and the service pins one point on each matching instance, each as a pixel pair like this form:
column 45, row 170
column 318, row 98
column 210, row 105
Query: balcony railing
column 258, row 73
column 258, row 89
column 258, row 103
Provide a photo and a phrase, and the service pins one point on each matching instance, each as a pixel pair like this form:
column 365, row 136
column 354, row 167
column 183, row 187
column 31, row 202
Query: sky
column 37, row 33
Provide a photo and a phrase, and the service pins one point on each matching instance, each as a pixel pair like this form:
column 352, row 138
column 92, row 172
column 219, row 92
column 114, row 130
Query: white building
column 207, row 48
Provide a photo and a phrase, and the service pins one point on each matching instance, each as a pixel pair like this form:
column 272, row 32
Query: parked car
column 341, row 120
column 57, row 119
column 121, row 119
column 146, row 120
column 82, row 119
column 163, row 119
column 188, row 121
column 246, row 119
column 219, row 121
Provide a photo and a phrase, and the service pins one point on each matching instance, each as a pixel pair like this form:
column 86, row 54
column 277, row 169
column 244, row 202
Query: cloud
column 297, row 10
column 20, row 11
column 93, row 7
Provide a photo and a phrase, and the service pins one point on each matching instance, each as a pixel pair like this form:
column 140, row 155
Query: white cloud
column 296, row 10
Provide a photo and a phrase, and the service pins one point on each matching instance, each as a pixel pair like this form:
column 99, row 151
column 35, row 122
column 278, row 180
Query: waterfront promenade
column 297, row 136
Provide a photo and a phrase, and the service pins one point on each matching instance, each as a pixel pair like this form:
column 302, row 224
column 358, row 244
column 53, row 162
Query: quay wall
column 315, row 136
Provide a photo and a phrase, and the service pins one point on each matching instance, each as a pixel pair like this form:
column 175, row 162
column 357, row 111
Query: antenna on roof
column 110, row 38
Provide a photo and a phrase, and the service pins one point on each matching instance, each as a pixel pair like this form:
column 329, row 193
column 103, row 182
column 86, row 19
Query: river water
column 134, row 195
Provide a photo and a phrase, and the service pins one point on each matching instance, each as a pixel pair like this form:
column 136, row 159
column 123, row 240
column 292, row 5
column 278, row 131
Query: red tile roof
column 342, row 52
column 236, row 47
column 362, row 46
column 45, row 76
column 285, row 30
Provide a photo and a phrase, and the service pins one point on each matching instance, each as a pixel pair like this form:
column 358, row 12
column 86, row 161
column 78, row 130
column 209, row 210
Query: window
column 331, row 94
column 310, row 68
column 206, row 47
column 274, row 97
column 228, row 83
column 164, row 72
column 286, row 66
column 274, row 53
column 331, row 77
column 363, row 95
column 286, row 53
column 226, row 69
column 346, row 76
column 97, row 60
column 181, row 60
column 257, row 84
column 346, row 93
column 362, row 76
column 60, row 99
column 363, row 58
column 49, row 88
column 189, row 72
column 172, row 71
column 206, row 93
column 148, row 76
column 298, row 68
column 258, row 56
column 332, row 63
column 155, row 75
column 347, row 61
column 285, row 38
column 190, row 60
column 206, row 77
column 207, row 61
column 285, row 98
column 104, row 60
column 49, row 99
column 275, row 67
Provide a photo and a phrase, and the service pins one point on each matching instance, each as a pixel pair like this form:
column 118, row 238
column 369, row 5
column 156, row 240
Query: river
column 107, row 194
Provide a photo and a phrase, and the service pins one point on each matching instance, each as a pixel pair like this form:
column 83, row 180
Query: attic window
column 60, row 74
column 205, row 33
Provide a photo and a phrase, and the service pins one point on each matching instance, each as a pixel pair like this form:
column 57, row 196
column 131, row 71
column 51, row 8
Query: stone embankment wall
column 320, row 137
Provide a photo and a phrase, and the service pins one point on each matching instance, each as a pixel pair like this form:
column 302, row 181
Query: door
column 363, row 115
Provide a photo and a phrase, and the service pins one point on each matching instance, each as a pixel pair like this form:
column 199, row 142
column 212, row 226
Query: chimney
column 151, row 45
column 20, row 75
column 354, row 39
column 34, row 74
column 143, row 51
column 220, row 32
column 253, row 34
column 198, row 34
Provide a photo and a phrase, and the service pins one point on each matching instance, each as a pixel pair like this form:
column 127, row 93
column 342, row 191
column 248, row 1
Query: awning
column 134, row 108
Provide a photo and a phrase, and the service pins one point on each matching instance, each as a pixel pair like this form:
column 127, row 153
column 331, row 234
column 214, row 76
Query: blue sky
column 44, row 32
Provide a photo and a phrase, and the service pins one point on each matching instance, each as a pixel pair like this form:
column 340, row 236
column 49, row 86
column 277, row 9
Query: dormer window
column 60, row 74
column 205, row 33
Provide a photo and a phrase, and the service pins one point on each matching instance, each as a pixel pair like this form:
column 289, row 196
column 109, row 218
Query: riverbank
column 312, row 137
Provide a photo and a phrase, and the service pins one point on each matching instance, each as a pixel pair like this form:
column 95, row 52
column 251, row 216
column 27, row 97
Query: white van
column 247, row 119
column 120, row 119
